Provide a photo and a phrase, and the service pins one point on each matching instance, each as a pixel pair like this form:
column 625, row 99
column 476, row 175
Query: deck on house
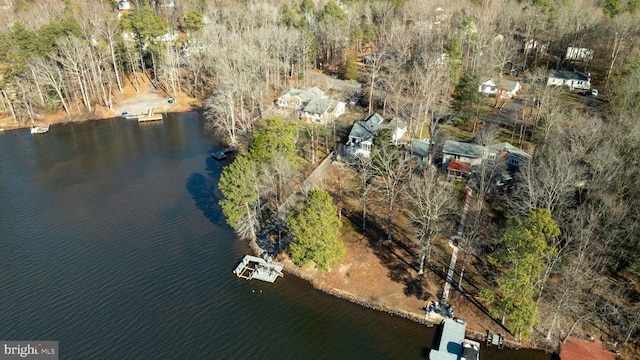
column 252, row 267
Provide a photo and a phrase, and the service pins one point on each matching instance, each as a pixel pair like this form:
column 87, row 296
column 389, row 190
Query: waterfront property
column 450, row 344
column 252, row 267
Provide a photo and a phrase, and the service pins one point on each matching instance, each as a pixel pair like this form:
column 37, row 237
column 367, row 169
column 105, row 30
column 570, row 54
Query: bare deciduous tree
column 431, row 201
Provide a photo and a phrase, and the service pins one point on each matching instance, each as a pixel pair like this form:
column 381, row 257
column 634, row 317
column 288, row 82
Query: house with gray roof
column 572, row 79
column 322, row 110
column 513, row 157
column 361, row 136
column 503, row 88
column 420, row 150
column 312, row 105
column 455, row 151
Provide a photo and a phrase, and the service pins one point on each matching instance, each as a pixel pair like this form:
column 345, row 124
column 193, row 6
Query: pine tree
column 238, row 185
column 525, row 246
column 316, row 229
column 351, row 68
column 273, row 137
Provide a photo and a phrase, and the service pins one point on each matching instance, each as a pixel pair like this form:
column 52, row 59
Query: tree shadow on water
column 202, row 192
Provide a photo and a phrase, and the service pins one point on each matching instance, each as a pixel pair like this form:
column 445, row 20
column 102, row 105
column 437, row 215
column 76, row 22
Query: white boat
column 40, row 129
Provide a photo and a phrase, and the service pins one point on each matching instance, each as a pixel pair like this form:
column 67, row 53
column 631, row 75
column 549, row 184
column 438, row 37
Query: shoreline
column 419, row 318
column 187, row 104
column 139, row 102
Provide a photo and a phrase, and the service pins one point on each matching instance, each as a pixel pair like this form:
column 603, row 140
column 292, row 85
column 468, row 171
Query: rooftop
column 366, row 128
column 319, row 106
column 462, row 149
column 450, row 345
column 505, row 84
column 569, row 75
column 420, row 147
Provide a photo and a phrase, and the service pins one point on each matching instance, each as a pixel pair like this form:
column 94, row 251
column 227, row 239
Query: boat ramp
column 222, row 154
column 252, row 267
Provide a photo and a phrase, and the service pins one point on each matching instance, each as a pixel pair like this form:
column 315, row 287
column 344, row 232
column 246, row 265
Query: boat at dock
column 128, row 116
column 222, row 154
column 450, row 344
column 40, row 129
column 253, row 267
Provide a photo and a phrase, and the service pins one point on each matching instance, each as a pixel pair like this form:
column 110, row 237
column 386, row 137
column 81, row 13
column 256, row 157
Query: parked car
column 594, row 92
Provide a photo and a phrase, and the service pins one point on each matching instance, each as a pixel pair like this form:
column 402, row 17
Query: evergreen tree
column 525, row 246
column 273, row 137
column 238, row 185
column 316, row 230
column 192, row 22
column 351, row 68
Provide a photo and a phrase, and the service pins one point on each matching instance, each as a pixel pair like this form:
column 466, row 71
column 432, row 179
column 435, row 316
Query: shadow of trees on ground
column 399, row 256
column 396, row 255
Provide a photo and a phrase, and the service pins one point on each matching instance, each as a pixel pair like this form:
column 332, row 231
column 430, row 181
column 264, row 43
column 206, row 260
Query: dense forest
column 558, row 249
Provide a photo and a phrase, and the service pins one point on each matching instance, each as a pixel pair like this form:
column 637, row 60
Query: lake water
column 112, row 243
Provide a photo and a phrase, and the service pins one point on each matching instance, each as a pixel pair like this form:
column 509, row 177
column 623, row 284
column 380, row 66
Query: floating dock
column 252, row 267
column 150, row 116
column 222, row 154
column 40, row 129
column 450, row 344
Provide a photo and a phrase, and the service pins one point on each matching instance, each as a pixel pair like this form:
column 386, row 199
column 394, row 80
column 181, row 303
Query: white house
column 580, row 54
column 505, row 89
column 572, row 79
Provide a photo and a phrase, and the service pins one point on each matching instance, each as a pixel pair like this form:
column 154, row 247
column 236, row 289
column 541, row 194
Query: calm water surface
column 112, row 243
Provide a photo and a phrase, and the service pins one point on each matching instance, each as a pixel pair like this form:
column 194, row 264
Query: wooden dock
column 252, row 267
column 494, row 339
column 222, row 154
column 150, row 116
